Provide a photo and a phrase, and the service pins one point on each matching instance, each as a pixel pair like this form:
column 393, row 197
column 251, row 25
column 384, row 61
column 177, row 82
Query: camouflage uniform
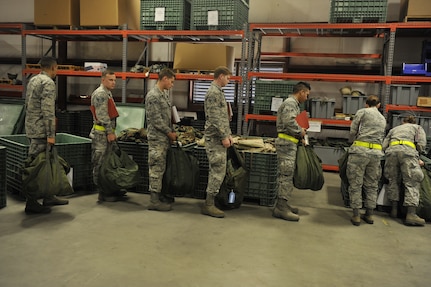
column 363, row 166
column 216, row 129
column 286, row 149
column 158, row 109
column 402, row 162
column 40, row 112
column 99, row 99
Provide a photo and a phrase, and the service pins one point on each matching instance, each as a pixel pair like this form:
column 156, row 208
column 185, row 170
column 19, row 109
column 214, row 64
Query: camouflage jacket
column 40, row 107
column 99, row 99
column 368, row 126
column 405, row 132
column 158, row 112
column 216, row 113
column 286, row 118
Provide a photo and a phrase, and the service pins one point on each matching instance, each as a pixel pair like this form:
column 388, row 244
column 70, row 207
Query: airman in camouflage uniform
column 160, row 135
column 40, row 125
column 289, row 134
column 103, row 131
column 363, row 165
column 402, row 166
column 218, row 137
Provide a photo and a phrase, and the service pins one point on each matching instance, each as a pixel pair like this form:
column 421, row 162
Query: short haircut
column 372, row 101
column 409, row 119
column 47, row 62
column 166, row 72
column 221, row 71
column 107, row 72
column 301, row 86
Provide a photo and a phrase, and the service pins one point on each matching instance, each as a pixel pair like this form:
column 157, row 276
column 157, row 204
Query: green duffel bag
column 308, row 172
column 424, row 208
column 45, row 175
column 181, row 176
column 232, row 190
column 118, row 171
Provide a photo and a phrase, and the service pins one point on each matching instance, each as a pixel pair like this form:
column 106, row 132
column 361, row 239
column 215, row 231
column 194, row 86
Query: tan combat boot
column 156, row 204
column 209, row 208
column 282, row 210
column 356, row 220
column 412, row 219
column 368, row 216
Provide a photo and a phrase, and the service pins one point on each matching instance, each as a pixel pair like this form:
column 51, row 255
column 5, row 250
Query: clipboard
column 302, row 120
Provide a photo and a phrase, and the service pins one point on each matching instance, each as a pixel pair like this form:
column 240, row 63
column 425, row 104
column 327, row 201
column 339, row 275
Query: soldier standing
column 363, row 165
column 40, row 125
column 103, row 132
column 289, row 134
column 160, row 135
column 402, row 166
column 218, row 137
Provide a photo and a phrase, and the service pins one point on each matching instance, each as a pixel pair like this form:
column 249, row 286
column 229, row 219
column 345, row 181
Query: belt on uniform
column 368, row 145
column 100, row 128
column 287, row 137
column 410, row 144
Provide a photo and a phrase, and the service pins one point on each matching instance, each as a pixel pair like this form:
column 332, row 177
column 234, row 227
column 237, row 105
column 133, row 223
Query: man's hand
column 50, row 141
column 227, row 142
column 421, row 163
column 172, row 136
column 111, row 137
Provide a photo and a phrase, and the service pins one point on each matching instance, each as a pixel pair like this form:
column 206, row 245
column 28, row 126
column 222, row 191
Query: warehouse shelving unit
column 133, row 35
column 13, row 29
column 387, row 31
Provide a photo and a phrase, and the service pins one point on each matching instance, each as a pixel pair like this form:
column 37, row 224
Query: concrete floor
column 123, row 244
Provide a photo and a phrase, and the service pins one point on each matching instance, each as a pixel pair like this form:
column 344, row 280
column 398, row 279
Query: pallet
column 425, row 18
column 57, row 27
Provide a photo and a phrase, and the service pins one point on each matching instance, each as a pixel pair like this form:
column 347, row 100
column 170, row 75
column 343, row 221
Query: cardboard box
column 203, row 57
column 415, row 9
column 110, row 13
column 95, row 67
column 56, row 12
column 424, row 102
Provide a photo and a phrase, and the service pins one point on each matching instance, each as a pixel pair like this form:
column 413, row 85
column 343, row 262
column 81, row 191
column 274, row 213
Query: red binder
column 302, row 120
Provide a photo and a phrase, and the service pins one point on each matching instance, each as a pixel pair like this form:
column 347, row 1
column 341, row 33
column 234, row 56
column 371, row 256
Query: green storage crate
column 262, row 179
column 358, row 11
column 2, row 176
column 266, row 90
column 74, row 149
column 176, row 14
column 201, row 155
column 232, row 14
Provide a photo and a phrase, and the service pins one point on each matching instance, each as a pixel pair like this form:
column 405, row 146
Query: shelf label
column 315, row 126
column 275, row 104
column 213, row 18
column 159, row 14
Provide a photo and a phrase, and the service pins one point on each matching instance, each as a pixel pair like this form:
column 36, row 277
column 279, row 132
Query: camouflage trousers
column 157, row 152
column 217, row 159
column 363, row 172
column 402, row 169
column 99, row 145
column 286, row 157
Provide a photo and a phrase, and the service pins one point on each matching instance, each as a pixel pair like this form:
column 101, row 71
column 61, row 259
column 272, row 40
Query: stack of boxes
column 144, row 14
